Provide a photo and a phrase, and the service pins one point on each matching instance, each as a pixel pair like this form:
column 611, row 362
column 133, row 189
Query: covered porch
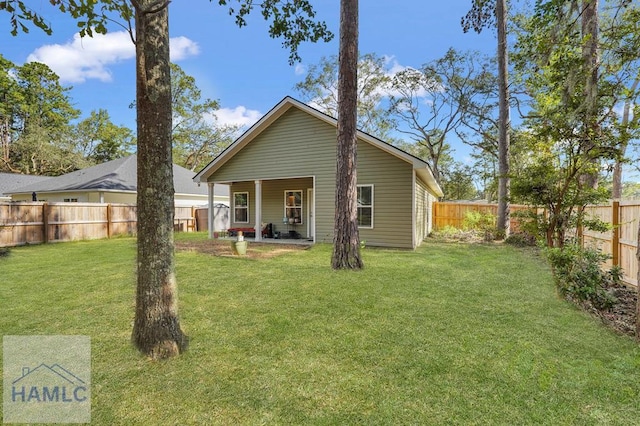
column 280, row 210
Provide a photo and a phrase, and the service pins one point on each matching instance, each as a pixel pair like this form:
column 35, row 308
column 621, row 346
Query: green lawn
column 448, row 334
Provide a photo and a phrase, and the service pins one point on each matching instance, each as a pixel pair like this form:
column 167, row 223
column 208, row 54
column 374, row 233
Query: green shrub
column 484, row 223
column 521, row 239
column 578, row 274
column 4, row 251
column 446, row 232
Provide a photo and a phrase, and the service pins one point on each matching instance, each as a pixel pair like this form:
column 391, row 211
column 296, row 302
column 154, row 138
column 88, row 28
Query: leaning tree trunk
column 504, row 124
column 156, row 329
column 346, row 244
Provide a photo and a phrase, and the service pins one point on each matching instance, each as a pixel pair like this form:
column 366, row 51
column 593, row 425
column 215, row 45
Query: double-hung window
column 293, row 206
column 241, row 207
column 365, row 206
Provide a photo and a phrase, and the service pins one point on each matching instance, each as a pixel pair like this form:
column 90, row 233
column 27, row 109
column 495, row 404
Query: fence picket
column 42, row 222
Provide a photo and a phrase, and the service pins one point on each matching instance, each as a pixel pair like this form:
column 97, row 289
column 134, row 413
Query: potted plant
column 239, row 247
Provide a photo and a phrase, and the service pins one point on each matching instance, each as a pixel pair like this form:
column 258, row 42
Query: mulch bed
column 621, row 317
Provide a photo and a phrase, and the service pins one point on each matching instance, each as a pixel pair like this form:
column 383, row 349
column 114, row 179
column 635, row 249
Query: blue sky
column 246, row 70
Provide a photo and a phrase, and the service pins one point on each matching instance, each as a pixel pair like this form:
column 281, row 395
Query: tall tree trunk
column 591, row 61
column 504, row 123
column 156, row 330
column 616, row 191
column 346, row 242
column 5, row 131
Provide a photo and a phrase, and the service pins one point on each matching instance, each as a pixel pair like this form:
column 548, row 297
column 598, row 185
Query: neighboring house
column 282, row 171
column 113, row 182
column 11, row 181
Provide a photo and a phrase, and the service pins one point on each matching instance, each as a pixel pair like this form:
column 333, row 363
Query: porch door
column 311, row 215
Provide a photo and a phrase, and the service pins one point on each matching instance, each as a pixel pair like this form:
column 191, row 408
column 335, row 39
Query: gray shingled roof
column 11, row 181
column 118, row 175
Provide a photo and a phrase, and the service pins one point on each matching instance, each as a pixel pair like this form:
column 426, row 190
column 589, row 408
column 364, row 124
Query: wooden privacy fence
column 453, row 213
column 41, row 222
column 620, row 242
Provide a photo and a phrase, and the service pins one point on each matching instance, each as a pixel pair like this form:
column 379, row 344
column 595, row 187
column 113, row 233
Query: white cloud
column 300, row 69
column 84, row 58
column 393, row 66
column 238, row 116
column 182, row 47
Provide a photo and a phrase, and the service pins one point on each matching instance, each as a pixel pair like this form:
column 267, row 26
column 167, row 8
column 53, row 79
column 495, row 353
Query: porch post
column 258, row 225
column 210, row 211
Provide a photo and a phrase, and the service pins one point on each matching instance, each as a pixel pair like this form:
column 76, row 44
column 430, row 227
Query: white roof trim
column 422, row 168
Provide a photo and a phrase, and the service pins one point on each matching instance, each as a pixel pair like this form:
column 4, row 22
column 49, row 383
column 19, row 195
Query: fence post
column 615, row 240
column 109, row 220
column 45, row 223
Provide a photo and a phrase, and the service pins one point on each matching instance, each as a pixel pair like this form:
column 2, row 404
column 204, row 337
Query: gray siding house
column 111, row 182
column 282, row 172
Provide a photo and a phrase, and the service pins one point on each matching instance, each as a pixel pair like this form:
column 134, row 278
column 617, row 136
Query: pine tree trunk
column 156, row 330
column 616, row 191
column 504, row 123
column 5, row 138
column 591, row 61
column 346, row 243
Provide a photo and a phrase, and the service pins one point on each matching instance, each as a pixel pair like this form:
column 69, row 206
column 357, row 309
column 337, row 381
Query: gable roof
column 421, row 167
column 118, row 175
column 11, row 181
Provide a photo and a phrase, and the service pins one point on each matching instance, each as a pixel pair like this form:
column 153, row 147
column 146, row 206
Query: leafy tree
column 9, row 101
column 479, row 17
column 33, row 152
column 346, row 241
column 44, row 101
column 631, row 190
column 457, row 182
column 320, row 89
column 456, row 179
column 549, row 59
column 156, row 330
column 485, row 170
column 577, row 77
column 197, row 138
column 441, row 99
column 99, row 140
column 36, row 111
column 551, row 178
column 619, row 67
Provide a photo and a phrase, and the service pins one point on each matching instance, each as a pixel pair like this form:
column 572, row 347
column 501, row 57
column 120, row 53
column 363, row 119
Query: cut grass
column 448, row 334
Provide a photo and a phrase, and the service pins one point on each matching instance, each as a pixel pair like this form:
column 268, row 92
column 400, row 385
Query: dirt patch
column 621, row 317
column 255, row 250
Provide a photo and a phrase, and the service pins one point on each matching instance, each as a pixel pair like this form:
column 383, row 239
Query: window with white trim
column 293, row 206
column 241, row 207
column 365, row 206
